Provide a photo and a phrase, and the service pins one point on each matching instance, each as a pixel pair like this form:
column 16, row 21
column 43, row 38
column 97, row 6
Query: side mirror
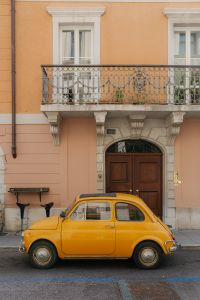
column 63, row 214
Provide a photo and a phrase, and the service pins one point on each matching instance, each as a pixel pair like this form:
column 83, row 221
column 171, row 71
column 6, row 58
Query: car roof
column 109, row 196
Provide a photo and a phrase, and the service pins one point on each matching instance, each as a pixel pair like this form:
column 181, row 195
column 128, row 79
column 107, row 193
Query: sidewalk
column 189, row 239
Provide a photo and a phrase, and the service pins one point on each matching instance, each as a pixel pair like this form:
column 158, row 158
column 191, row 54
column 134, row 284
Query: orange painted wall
column 5, row 57
column 131, row 33
column 187, row 163
column 68, row 169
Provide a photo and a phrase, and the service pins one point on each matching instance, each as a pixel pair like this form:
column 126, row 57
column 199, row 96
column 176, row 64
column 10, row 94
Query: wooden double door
column 136, row 173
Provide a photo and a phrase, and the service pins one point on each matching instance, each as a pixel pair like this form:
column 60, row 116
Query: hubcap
column 42, row 255
column 148, row 256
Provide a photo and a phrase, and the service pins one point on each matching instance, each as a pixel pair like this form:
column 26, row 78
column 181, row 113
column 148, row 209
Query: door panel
column 147, row 177
column 88, row 237
column 119, row 172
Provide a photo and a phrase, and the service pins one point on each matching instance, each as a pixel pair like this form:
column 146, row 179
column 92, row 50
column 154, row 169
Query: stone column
column 100, row 118
column 173, row 124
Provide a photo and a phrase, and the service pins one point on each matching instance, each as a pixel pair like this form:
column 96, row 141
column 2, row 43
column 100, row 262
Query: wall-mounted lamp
column 176, row 178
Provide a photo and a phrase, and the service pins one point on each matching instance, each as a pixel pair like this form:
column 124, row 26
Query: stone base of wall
column 188, row 218
column 1, row 219
column 13, row 221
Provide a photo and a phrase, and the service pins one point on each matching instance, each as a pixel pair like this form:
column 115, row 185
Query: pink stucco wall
column 187, row 164
column 70, row 168
column 67, row 169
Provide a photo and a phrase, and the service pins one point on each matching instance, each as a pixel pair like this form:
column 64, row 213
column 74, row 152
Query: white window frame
column 175, row 17
column 76, row 16
column 179, row 16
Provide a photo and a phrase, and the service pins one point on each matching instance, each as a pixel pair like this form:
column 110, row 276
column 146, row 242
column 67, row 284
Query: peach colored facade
column 130, row 33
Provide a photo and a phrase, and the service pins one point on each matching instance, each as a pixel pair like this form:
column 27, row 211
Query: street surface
column 177, row 278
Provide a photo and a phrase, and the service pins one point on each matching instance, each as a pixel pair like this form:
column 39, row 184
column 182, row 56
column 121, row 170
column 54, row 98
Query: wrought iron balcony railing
column 120, row 84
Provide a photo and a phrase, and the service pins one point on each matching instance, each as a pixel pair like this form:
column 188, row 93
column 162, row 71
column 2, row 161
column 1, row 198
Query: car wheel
column 43, row 255
column 147, row 255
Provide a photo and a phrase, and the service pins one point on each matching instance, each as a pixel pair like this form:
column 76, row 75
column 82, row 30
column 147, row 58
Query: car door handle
column 109, row 226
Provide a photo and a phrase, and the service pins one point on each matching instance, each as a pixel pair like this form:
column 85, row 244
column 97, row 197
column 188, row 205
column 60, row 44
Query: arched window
column 133, row 146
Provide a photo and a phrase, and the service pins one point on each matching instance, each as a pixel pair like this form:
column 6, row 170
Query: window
column 78, row 213
column 184, row 49
column 187, row 52
column 92, row 211
column 77, row 49
column 187, row 45
column 128, row 212
column 133, row 146
column 76, row 45
column 76, row 40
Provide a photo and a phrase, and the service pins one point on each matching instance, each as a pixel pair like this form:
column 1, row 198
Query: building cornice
column 182, row 13
column 76, row 11
column 115, row 1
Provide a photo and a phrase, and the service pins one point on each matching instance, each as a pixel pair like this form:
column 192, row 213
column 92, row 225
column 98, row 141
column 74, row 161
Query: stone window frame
column 176, row 16
column 75, row 16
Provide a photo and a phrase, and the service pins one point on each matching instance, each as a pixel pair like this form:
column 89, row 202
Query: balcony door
column 76, row 48
column 187, row 52
column 135, row 167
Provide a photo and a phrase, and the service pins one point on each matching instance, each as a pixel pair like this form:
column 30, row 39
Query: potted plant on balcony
column 119, row 95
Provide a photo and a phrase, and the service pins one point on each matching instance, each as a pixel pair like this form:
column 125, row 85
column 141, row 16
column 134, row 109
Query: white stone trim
column 23, row 119
column 182, row 14
column 117, row 1
column 76, row 15
column 136, row 123
column 176, row 16
column 54, row 119
column 100, row 118
column 154, row 131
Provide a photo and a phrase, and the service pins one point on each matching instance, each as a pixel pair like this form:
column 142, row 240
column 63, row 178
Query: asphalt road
column 177, row 278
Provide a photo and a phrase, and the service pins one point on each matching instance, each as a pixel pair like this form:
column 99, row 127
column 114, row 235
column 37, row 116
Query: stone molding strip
column 116, row 1
column 6, row 119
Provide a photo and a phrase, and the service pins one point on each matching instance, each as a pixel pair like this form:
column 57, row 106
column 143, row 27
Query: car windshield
column 70, row 207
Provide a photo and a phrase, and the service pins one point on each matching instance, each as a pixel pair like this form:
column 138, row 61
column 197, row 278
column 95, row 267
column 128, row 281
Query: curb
column 190, row 247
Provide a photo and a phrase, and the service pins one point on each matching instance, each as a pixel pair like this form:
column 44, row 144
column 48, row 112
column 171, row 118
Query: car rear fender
column 150, row 238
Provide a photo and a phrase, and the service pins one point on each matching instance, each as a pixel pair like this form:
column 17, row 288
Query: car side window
column 79, row 212
column 92, row 211
column 98, row 211
column 128, row 212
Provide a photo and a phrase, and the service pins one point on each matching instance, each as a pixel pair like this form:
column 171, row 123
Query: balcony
column 133, row 91
column 122, row 84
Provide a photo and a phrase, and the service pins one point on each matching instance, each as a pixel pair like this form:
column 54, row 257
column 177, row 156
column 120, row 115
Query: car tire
column 43, row 255
column 147, row 255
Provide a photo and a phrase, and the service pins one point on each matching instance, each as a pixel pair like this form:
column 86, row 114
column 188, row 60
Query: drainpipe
column 13, row 68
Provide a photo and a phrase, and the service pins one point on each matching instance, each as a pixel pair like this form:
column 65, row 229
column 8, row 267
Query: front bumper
column 22, row 248
column 172, row 246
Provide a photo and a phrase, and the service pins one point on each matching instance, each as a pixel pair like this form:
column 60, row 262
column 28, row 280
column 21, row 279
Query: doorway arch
column 135, row 166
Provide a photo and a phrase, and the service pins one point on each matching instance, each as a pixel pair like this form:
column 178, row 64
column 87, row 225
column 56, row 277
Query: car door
column 131, row 224
column 89, row 230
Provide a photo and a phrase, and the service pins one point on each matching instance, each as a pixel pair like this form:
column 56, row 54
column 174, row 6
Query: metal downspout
column 13, row 60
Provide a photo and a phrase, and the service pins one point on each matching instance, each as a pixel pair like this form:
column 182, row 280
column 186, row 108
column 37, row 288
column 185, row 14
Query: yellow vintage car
column 105, row 226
